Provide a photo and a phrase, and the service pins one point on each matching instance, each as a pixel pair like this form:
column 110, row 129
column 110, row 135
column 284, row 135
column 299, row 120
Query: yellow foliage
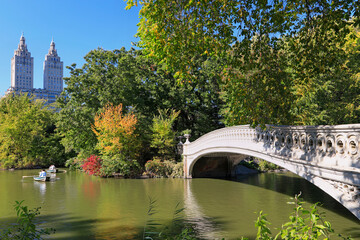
column 114, row 129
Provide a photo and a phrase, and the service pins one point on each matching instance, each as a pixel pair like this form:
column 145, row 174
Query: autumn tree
column 116, row 136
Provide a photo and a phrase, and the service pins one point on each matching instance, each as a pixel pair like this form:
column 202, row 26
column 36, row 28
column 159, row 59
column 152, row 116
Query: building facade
column 22, row 67
column 53, row 70
column 22, row 73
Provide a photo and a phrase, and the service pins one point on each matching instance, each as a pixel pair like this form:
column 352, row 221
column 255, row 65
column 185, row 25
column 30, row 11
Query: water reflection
column 194, row 215
column 228, row 209
column 41, row 187
column 90, row 190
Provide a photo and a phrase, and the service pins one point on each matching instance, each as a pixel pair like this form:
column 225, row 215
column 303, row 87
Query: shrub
column 303, row 224
column 92, row 165
column 177, row 169
column 74, row 164
column 158, row 168
column 249, row 164
column 25, row 227
column 116, row 165
column 266, row 166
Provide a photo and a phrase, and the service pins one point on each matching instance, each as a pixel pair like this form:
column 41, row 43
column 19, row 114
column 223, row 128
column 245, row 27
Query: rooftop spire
column 22, row 45
column 52, row 50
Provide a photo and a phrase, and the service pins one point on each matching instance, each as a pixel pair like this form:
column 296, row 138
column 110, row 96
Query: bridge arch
column 327, row 156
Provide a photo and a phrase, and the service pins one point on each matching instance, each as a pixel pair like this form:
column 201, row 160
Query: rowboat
column 41, row 179
column 52, row 169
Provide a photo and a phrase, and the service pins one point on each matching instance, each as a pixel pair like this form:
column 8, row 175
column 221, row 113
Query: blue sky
column 77, row 27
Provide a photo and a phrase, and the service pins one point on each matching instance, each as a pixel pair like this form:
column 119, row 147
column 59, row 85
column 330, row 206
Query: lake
column 79, row 206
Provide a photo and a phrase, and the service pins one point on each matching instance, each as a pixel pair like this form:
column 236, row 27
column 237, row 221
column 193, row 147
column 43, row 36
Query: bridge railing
column 330, row 146
column 327, row 156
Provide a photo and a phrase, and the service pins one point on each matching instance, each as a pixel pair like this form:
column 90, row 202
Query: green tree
column 107, row 76
column 273, row 52
column 27, row 135
column 322, row 72
column 142, row 87
column 163, row 135
column 198, row 101
column 257, row 87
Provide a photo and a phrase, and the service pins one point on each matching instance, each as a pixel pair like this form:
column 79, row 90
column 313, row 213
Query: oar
column 26, row 176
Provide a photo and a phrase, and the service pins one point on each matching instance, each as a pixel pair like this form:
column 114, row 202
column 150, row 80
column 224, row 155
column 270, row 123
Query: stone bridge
column 327, row 156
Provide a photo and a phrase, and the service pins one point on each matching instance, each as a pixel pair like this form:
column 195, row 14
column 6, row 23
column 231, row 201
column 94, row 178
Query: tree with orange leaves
column 117, row 142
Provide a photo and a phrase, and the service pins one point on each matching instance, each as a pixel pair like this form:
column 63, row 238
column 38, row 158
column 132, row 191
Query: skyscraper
column 22, row 67
column 53, row 70
column 22, row 73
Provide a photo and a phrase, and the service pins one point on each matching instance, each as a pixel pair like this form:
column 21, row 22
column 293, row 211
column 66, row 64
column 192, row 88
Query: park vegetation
column 118, row 112
column 27, row 133
column 25, row 227
column 278, row 62
column 121, row 113
column 199, row 66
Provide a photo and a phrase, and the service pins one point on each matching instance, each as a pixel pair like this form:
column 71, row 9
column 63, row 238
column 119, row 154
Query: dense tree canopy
column 175, row 31
column 105, row 77
column 216, row 62
column 27, row 137
column 282, row 62
column 142, row 87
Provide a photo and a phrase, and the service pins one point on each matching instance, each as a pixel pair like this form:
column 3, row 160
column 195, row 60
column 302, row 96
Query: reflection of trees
column 227, row 208
column 91, row 190
column 4, row 197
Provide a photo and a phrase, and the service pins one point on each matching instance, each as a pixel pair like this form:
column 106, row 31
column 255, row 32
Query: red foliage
column 92, row 165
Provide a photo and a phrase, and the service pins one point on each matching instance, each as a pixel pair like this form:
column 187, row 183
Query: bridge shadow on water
column 294, row 185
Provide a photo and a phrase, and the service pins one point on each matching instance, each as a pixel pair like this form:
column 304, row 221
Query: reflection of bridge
column 327, row 156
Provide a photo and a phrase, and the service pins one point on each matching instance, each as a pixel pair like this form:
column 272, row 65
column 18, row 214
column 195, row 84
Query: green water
column 84, row 207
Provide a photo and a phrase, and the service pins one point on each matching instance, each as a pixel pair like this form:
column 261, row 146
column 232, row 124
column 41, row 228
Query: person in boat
column 52, row 167
column 42, row 173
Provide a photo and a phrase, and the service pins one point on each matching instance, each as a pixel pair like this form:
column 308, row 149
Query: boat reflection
column 41, row 186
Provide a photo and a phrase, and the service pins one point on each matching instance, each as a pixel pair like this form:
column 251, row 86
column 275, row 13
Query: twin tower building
column 22, row 73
